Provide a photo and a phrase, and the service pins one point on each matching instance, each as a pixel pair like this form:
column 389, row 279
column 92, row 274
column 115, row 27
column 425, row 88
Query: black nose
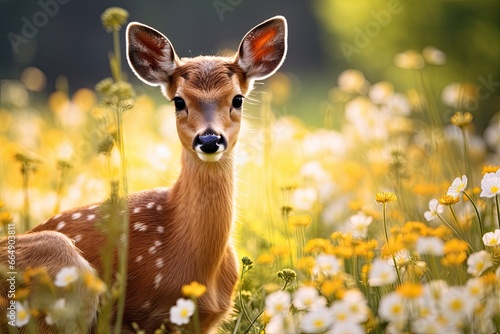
column 208, row 143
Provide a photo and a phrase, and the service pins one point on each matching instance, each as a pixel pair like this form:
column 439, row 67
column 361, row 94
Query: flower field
column 383, row 219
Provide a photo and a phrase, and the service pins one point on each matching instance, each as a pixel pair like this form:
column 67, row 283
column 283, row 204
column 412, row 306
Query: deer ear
column 263, row 49
column 150, row 54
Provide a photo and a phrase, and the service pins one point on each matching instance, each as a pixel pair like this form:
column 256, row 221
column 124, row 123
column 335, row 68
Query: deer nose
column 209, row 143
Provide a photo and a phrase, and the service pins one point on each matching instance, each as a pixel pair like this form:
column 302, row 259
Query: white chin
column 210, row 157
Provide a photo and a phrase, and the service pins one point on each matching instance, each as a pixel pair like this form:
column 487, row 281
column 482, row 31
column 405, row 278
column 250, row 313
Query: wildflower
column 276, row 325
column 327, row 265
column 381, row 92
column 385, row 197
column 478, row 262
column 357, row 306
column 492, row 239
column 408, row 60
column 346, row 328
column 288, row 275
column 433, row 56
column 317, row 320
column 359, row 225
column 265, row 258
column 391, row 307
column 113, row 18
column 66, row 276
column 410, row 290
column 317, row 245
column 475, row 287
column 434, row 210
column 457, row 304
column 490, row 185
column 351, row 81
column 194, row 290
column 182, row 311
column 430, row 246
column 455, row 252
column 307, row 297
column 103, row 87
column 56, row 311
column 458, row 186
column 461, row 119
column 381, row 273
column 331, row 286
column 247, row 262
column 94, row 283
column 304, row 198
column 303, row 220
column 489, row 169
column 448, row 200
column 278, row 302
column 22, row 314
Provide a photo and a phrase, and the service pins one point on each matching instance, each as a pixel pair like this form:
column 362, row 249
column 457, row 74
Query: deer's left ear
column 263, row 49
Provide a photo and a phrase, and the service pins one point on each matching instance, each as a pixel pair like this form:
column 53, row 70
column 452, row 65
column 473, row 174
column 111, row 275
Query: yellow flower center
column 494, row 189
column 318, row 323
column 184, row 313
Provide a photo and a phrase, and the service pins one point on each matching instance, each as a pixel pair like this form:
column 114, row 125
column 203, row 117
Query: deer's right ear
column 150, row 54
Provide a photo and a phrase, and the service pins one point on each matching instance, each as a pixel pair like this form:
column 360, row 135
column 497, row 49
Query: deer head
column 207, row 91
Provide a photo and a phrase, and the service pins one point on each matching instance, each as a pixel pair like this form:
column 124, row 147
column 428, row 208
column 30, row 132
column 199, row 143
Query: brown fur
column 182, row 234
column 53, row 251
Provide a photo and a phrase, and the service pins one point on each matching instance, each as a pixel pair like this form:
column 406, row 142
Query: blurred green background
column 65, row 37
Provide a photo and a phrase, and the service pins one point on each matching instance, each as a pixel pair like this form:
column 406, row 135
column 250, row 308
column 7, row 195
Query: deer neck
column 203, row 203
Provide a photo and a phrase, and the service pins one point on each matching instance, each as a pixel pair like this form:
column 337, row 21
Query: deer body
column 183, row 234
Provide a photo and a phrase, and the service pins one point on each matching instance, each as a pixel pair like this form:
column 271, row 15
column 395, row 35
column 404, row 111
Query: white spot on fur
column 91, row 217
column 140, row 227
column 150, row 205
column 146, row 304
column 160, row 229
column 78, row 238
column 159, row 262
column 139, row 258
column 76, row 215
column 152, row 250
column 136, row 210
column 157, row 243
column 57, row 216
column 158, row 279
column 159, row 208
column 92, row 207
column 60, row 225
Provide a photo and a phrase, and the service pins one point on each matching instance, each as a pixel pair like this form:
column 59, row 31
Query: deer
column 52, row 251
column 184, row 233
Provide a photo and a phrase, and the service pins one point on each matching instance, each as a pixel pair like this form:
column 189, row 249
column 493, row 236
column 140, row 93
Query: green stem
column 384, row 213
column 196, row 318
column 466, row 155
column 117, row 55
column 477, row 214
column 498, row 210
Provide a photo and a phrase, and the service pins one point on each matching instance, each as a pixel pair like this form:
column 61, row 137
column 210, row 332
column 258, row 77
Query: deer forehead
column 207, row 77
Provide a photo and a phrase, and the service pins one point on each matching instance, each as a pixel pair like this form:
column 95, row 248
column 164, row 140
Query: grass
column 364, row 224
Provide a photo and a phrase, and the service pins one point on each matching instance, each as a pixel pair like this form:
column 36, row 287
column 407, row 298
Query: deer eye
column 180, row 104
column 237, row 102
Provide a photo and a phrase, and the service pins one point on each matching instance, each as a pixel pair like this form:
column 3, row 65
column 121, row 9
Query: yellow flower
column 279, row 250
column 410, row 290
column 489, row 169
column 94, row 283
column 317, row 245
column 113, row 18
column 448, row 200
column 331, row 286
column 297, row 221
column 455, row 245
column 454, row 259
column 194, row 290
column 461, row 119
column 265, row 258
column 385, row 197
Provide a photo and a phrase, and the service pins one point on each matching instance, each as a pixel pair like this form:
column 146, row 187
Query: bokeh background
column 326, row 37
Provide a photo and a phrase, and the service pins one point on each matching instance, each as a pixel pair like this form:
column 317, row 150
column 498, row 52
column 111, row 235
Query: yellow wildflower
column 194, row 290
column 395, row 245
column 279, row 250
column 489, row 169
column 113, row 18
column 265, row 258
column 410, row 290
column 317, row 245
column 454, row 259
column 302, row 220
column 385, row 197
column 331, row 286
column 94, row 283
column 448, row 200
column 461, row 119
column 305, row 264
column 455, row 245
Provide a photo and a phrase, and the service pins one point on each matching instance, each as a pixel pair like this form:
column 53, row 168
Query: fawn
column 182, row 234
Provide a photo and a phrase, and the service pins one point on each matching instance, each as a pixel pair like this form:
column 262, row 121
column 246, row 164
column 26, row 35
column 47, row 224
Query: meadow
column 383, row 219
